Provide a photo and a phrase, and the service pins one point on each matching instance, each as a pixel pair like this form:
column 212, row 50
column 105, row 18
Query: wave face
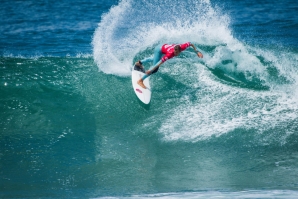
column 225, row 125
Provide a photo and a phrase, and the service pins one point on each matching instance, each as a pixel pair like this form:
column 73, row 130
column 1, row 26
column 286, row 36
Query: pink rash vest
column 168, row 50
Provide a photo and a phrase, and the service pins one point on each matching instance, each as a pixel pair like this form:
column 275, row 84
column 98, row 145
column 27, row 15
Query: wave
column 235, row 86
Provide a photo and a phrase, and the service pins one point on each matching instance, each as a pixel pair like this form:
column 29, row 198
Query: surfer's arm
column 197, row 52
column 149, row 72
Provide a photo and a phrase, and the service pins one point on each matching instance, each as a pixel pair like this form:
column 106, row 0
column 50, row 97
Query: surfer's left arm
column 199, row 54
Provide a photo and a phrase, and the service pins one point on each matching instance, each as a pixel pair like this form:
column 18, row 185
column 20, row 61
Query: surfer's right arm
column 199, row 54
column 149, row 72
column 153, row 70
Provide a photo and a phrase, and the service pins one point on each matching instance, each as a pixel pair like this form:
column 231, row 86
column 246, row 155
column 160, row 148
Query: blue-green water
column 223, row 126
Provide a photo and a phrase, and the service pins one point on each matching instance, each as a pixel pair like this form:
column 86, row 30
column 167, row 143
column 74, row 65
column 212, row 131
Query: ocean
column 225, row 126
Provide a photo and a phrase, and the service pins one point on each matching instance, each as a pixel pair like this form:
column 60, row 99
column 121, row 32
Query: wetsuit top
column 169, row 50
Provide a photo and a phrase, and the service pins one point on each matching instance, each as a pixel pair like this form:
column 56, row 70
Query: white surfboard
column 143, row 94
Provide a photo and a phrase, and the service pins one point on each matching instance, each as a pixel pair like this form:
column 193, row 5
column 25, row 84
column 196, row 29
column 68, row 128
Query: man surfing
column 163, row 53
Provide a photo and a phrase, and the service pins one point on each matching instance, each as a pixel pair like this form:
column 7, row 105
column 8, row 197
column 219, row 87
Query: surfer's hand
column 200, row 55
column 148, row 72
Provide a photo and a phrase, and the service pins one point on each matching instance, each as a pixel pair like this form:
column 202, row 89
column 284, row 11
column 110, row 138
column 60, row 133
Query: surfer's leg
column 156, row 59
column 157, row 55
column 141, row 83
column 148, row 59
column 139, row 65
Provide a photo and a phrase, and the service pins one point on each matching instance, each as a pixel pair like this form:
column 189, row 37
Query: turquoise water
column 223, row 126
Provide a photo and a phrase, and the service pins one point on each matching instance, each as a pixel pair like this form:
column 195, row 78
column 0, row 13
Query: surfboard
column 144, row 95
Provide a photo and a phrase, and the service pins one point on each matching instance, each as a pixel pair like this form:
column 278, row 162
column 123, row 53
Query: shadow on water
column 145, row 106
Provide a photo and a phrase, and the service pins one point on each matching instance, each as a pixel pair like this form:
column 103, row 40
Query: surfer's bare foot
column 140, row 82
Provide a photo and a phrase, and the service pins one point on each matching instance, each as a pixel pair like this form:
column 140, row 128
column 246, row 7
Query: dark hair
column 177, row 47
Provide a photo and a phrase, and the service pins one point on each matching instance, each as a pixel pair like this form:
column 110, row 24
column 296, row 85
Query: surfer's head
column 177, row 50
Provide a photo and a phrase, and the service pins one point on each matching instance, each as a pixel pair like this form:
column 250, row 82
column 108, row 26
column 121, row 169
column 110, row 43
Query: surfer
column 161, row 54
